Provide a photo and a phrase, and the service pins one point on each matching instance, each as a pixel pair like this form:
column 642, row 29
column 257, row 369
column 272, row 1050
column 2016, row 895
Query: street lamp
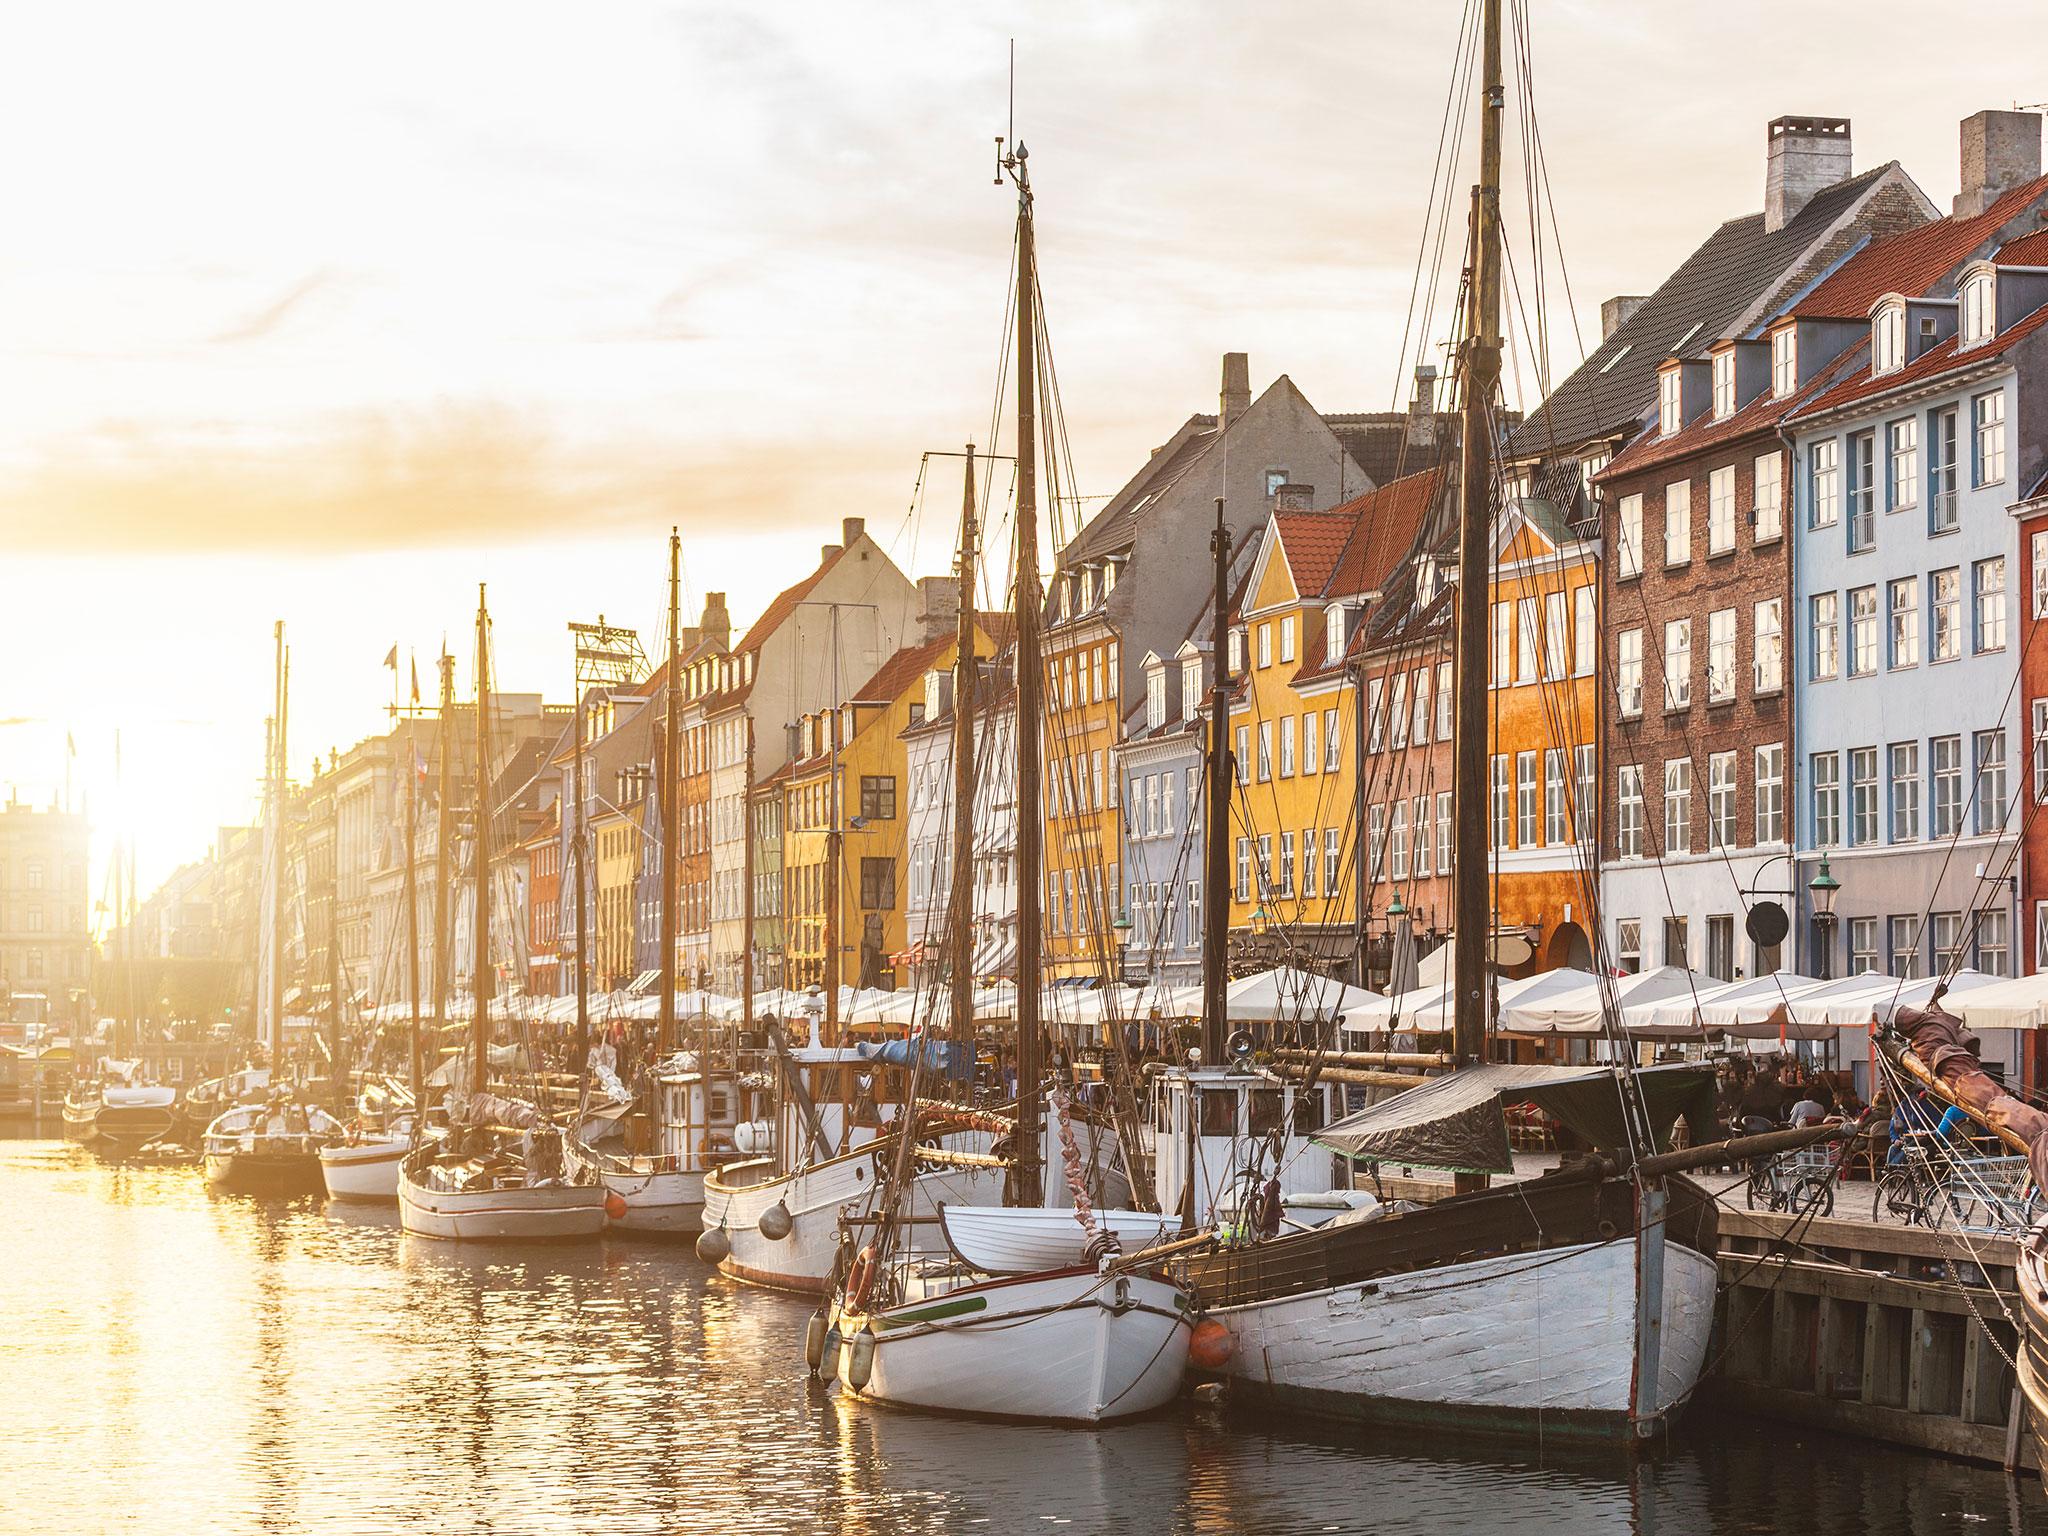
column 1824, row 887
column 1396, row 909
column 1122, row 929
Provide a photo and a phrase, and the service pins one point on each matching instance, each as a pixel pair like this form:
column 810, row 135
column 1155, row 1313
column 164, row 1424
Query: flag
column 391, row 658
column 415, row 679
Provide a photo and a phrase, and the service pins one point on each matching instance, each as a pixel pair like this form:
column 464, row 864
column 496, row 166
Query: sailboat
column 500, row 1173
column 1097, row 1337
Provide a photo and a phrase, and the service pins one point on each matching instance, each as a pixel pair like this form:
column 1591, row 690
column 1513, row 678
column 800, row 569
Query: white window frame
column 1628, row 536
column 1721, row 656
column 1767, row 496
column 1678, row 523
column 1721, row 510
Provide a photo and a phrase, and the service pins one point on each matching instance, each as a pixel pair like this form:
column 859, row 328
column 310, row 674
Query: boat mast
column 746, row 891
column 1030, row 680
column 416, row 1077
column 1216, row 835
column 577, row 861
column 1472, row 925
column 668, row 803
column 834, row 866
column 480, row 988
column 965, row 665
column 272, row 1036
column 121, row 1028
column 444, row 939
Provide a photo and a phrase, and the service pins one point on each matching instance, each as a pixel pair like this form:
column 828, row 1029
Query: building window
column 1770, row 794
column 1902, row 464
column 1669, row 401
column 1376, row 842
column 1244, row 869
column 1824, row 483
column 1628, row 827
column 1503, row 644
column 1862, row 631
column 1677, row 805
column 1945, row 605
column 1862, row 945
column 1724, row 384
column 1287, row 746
column 1155, row 698
column 1784, row 361
column 1676, row 951
column 1556, row 804
column 1947, row 928
column 1446, row 702
column 1905, row 777
column 1422, row 824
column 1243, row 755
column 1980, row 308
column 878, row 883
column 1310, row 757
column 1888, row 339
column 1265, row 633
column 1904, row 943
column 878, row 797
column 1397, row 842
column 2040, row 739
column 1827, row 800
column 1628, row 945
column 1862, row 491
column 1987, row 583
column 1827, row 635
column 1585, row 631
column 1678, row 522
column 1721, row 803
column 1421, row 705
column 1285, row 884
column 1333, row 745
column 1721, row 510
column 1263, row 846
column 1990, row 757
column 1310, row 862
column 1287, row 638
column 1190, row 690
column 1943, row 453
column 1628, row 673
column 1721, row 946
column 1994, row 941
column 1398, row 711
column 1767, row 646
column 1585, row 804
column 1862, row 796
column 1526, row 640
column 1525, row 800
column 1556, row 639
column 1236, row 651
column 1945, row 816
column 1376, row 714
column 1720, row 655
column 1503, row 800
column 1987, row 434
column 1333, row 632
column 1628, row 536
column 1333, row 841
column 1904, row 601
column 1677, row 664
column 1768, row 515
column 1265, row 751
column 1444, row 849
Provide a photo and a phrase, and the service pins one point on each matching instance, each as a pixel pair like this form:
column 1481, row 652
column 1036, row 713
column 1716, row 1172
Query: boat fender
column 860, row 1279
column 814, row 1340
column 860, row 1360
column 614, row 1205
column 713, row 1246
column 1210, row 1346
column 1607, row 1230
column 828, row 1357
column 775, row 1223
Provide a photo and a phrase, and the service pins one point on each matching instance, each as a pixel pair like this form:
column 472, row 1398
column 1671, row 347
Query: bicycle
column 1801, row 1180
column 1909, row 1190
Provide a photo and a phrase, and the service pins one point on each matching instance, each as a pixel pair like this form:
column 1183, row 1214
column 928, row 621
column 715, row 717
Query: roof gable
column 1917, row 261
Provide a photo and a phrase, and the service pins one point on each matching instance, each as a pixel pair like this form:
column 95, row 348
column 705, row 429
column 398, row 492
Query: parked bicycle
column 1802, row 1180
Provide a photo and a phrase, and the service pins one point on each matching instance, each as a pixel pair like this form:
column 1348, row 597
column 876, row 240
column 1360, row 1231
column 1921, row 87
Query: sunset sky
column 326, row 314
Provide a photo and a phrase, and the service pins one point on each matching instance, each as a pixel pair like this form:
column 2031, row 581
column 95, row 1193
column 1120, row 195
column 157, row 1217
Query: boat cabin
column 1212, row 1123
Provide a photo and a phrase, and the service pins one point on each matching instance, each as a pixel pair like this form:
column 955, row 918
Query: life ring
column 860, row 1279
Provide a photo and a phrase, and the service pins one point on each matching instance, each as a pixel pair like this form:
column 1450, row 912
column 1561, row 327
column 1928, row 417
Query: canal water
column 173, row 1361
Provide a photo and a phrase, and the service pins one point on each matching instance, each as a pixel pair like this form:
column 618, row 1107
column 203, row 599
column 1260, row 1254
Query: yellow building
column 866, row 809
column 615, row 852
column 1083, row 826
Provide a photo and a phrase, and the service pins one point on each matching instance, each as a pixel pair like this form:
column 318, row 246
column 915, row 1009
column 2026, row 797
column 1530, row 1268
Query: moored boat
column 115, row 1113
column 363, row 1165
column 498, row 1176
column 268, row 1149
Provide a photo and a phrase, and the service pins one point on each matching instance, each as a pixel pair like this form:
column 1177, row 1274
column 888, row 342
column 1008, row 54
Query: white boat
column 268, row 1149
column 1009, row 1240
column 499, row 1176
column 1075, row 1346
column 364, row 1164
column 660, row 1193
column 738, row 1196
column 119, row 1113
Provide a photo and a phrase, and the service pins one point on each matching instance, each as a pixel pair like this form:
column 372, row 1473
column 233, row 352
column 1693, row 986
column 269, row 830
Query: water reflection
column 201, row 1362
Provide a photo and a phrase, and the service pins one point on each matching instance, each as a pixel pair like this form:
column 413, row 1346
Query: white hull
column 550, row 1213
column 650, row 1202
column 1010, row 1240
column 1073, row 1346
column 1508, row 1340
column 365, row 1170
column 803, row 1260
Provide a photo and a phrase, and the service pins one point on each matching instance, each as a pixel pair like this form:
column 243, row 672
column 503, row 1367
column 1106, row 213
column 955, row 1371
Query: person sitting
column 1912, row 1120
column 1808, row 1111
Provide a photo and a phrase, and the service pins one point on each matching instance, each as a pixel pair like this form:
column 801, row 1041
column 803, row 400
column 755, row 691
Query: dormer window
column 1980, row 308
column 1724, row 384
column 1087, row 587
column 1888, row 339
column 1333, row 632
column 1155, row 697
column 1236, row 652
column 1109, row 576
column 1670, row 416
column 1784, row 361
column 1191, row 689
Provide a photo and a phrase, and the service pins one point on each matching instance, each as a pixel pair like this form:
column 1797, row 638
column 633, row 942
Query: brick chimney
column 2001, row 150
column 1423, row 401
column 938, row 606
column 1617, row 312
column 1236, row 397
column 1804, row 155
column 717, row 623
column 1295, row 498
column 850, row 530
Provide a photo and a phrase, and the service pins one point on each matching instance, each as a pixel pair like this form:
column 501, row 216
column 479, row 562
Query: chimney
column 850, row 530
column 2001, row 150
column 827, row 553
column 939, row 606
column 1805, row 154
column 1618, row 311
column 1423, row 402
column 1295, row 498
column 1236, row 398
column 717, row 623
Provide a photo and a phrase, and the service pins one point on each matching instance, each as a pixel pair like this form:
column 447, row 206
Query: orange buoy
column 1210, row 1346
column 615, row 1205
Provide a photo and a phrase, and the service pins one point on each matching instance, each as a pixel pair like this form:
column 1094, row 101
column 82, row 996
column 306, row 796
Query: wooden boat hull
column 550, row 1213
column 1007, row 1240
column 274, row 1174
column 365, row 1170
column 1520, row 1342
column 815, row 1196
column 117, row 1128
column 1070, row 1347
column 2032, row 1275
column 643, row 1200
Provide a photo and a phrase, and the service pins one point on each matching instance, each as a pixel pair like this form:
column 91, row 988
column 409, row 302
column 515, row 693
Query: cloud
column 265, row 321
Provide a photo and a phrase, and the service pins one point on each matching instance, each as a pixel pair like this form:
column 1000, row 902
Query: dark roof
column 1711, row 289
column 1114, row 527
column 1915, row 262
column 1388, row 445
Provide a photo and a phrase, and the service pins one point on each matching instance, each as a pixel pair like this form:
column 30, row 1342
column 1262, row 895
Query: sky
column 327, row 314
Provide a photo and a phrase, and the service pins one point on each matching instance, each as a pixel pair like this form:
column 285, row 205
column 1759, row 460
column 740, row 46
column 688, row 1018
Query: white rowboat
column 1012, row 1240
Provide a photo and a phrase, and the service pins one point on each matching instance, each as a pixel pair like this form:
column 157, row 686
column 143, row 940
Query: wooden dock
column 1869, row 1329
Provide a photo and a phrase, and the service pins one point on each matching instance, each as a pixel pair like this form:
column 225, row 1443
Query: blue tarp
column 938, row 1056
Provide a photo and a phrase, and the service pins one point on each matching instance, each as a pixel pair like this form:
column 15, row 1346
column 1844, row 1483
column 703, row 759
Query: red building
column 544, row 905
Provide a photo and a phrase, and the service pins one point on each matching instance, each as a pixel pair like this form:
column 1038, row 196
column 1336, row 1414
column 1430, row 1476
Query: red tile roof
column 1761, row 415
column 1313, row 543
column 2027, row 251
column 784, row 605
column 1931, row 364
column 1914, row 262
column 899, row 671
column 1384, row 524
